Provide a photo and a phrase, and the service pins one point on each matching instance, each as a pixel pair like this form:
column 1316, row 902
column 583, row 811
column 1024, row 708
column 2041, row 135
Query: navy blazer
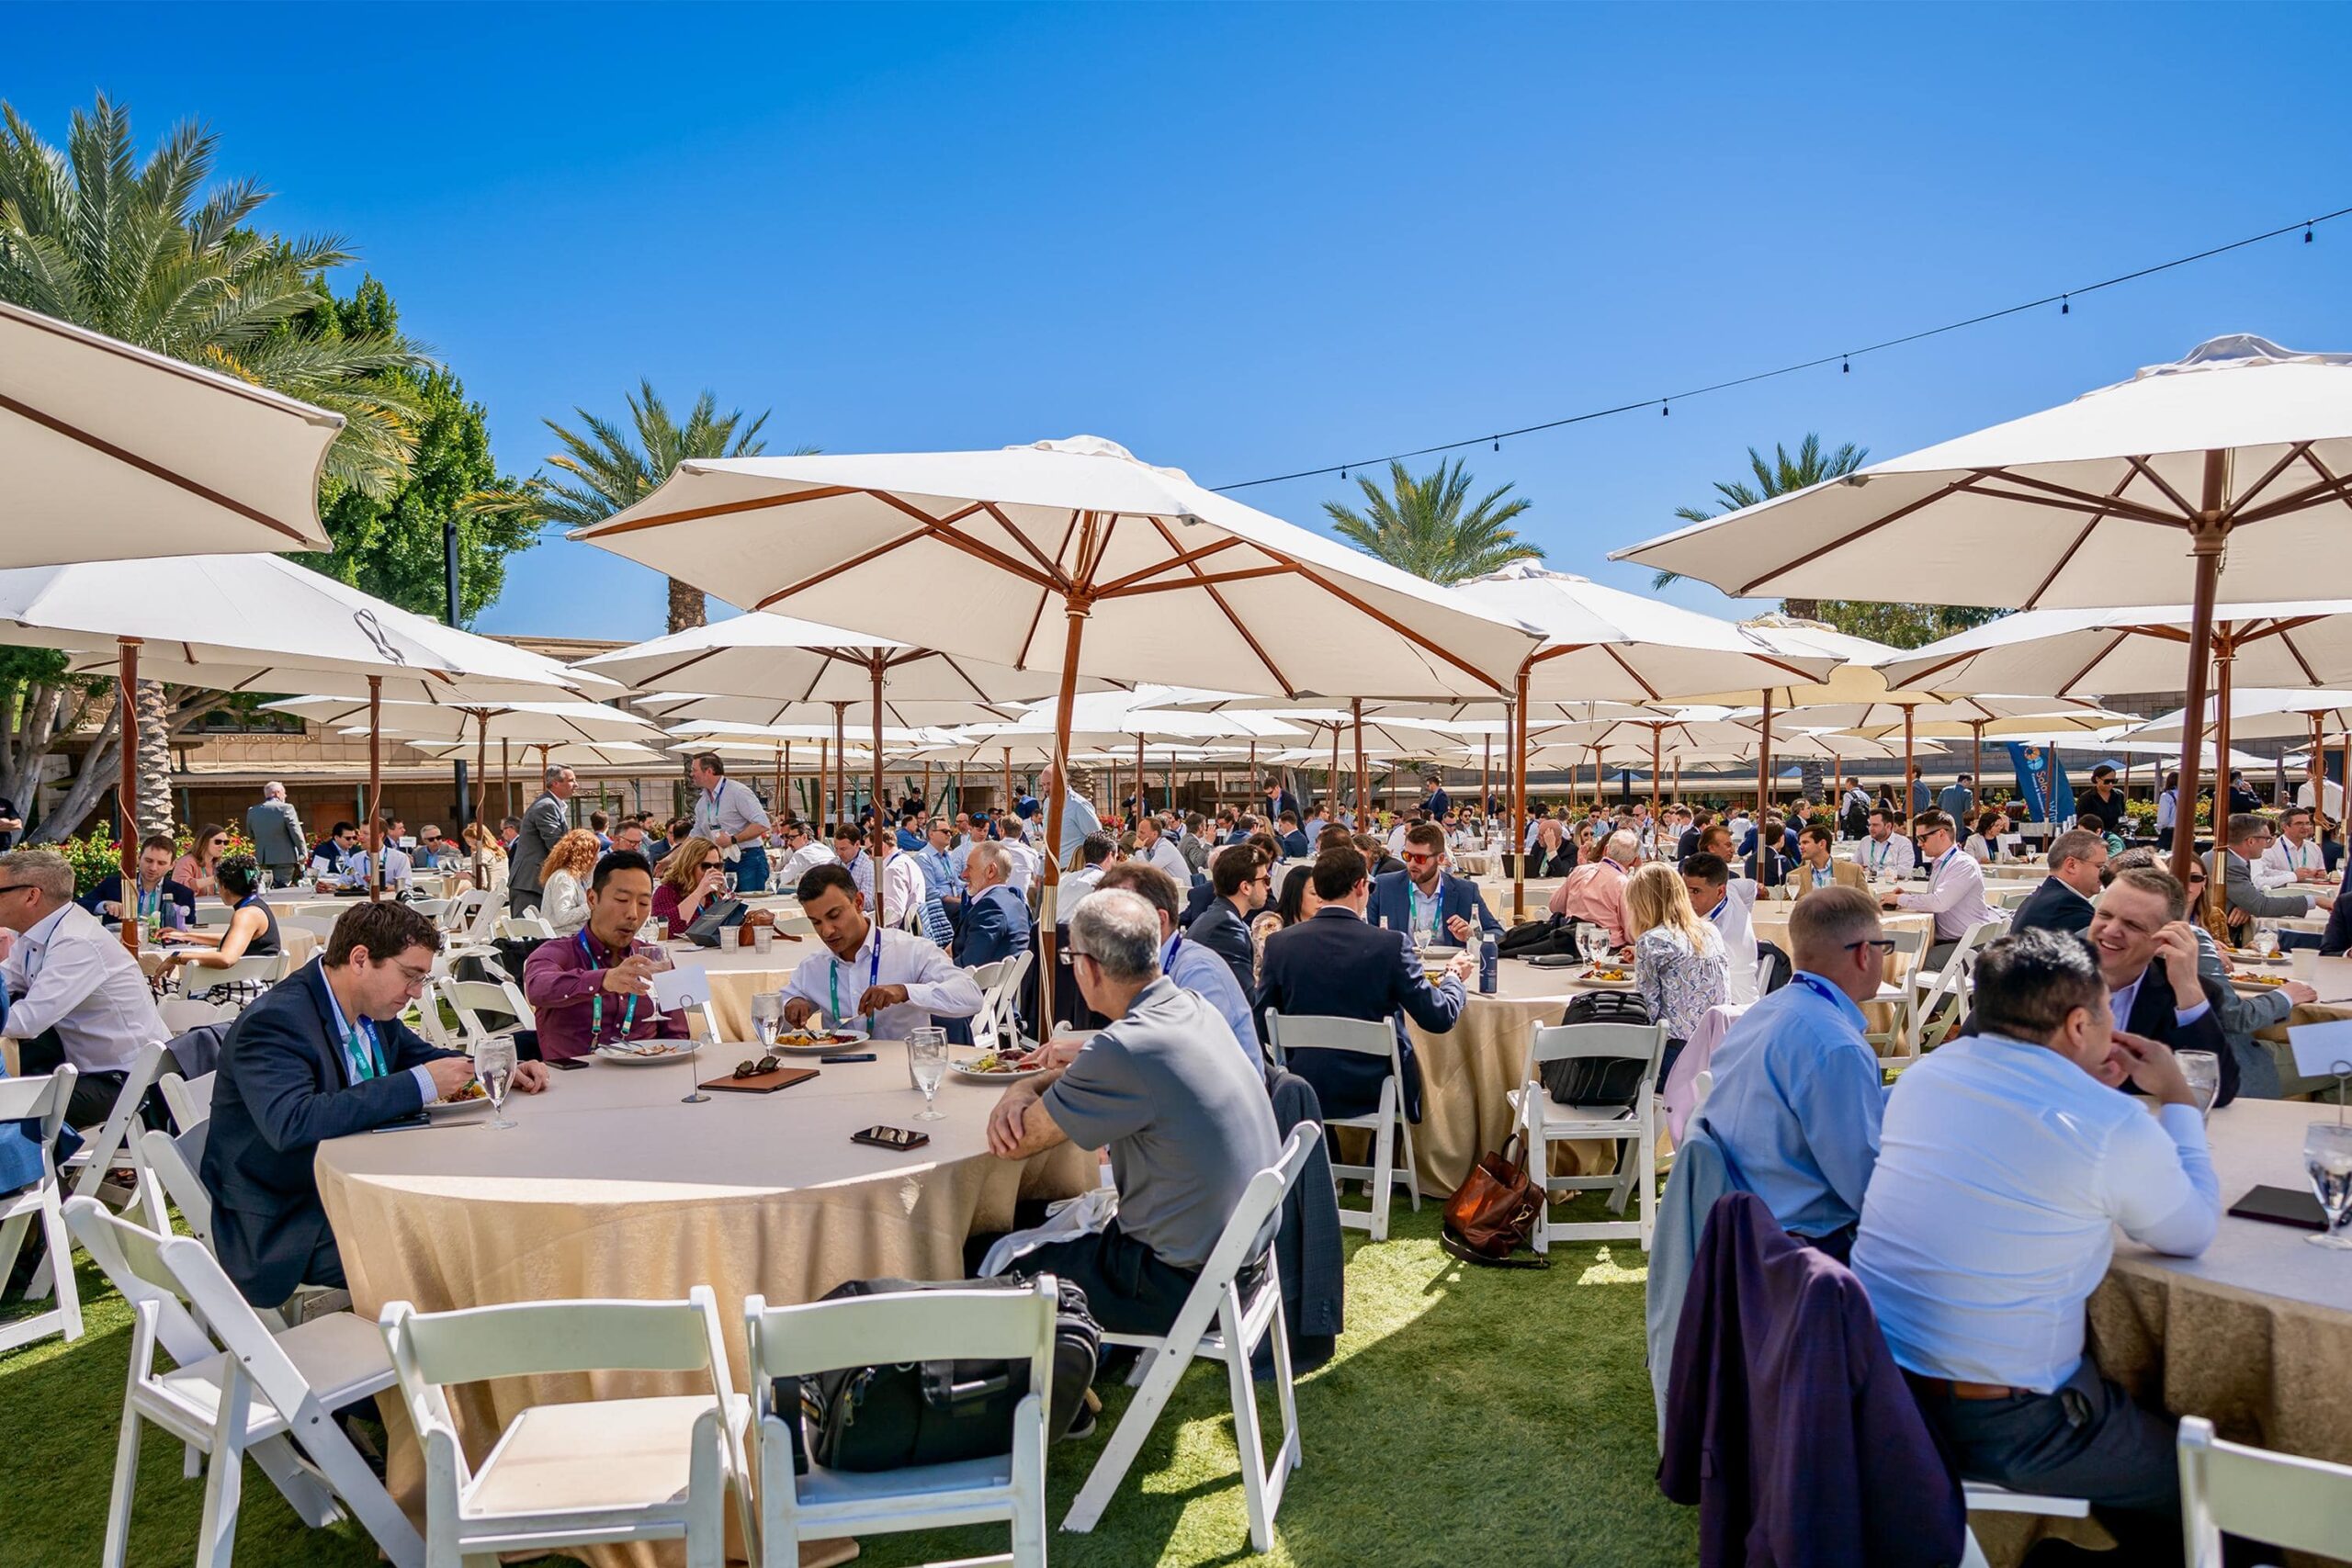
column 1391, row 904
column 282, row 1089
column 1221, row 930
column 1334, row 966
column 2052, row 906
column 987, row 928
column 109, row 891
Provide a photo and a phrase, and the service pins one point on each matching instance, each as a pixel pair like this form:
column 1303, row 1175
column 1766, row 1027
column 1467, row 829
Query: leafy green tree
column 1779, row 476
column 612, row 467
column 390, row 546
column 154, row 254
column 1902, row 625
column 1418, row 524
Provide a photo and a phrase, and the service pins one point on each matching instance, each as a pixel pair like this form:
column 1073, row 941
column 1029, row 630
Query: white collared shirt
column 800, row 863
column 936, row 987
column 906, row 888
column 2282, row 859
column 1888, row 862
column 1955, row 895
column 1735, row 919
column 69, row 973
column 1164, row 855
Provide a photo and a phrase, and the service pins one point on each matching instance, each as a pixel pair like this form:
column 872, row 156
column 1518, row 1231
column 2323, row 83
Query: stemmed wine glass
column 494, row 1065
column 728, row 881
column 767, row 1017
column 1592, row 942
column 2328, row 1160
column 927, row 1059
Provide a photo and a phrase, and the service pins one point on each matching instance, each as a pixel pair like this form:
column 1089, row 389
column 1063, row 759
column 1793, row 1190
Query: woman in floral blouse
column 1678, row 958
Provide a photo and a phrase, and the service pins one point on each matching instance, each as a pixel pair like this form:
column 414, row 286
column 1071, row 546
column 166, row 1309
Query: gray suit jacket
column 544, row 821
column 276, row 834
column 2239, row 891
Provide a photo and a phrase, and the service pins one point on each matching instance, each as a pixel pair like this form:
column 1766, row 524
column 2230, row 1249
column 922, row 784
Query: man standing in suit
column 2064, row 901
column 1274, row 800
column 545, row 820
column 277, row 833
column 1816, row 868
column 1957, row 799
column 1436, row 803
column 1424, row 900
column 2147, row 953
column 1238, row 886
column 1335, row 965
column 322, row 1055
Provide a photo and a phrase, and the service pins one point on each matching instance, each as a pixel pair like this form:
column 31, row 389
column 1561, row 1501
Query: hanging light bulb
column 2063, row 308
column 2307, row 232
column 1665, row 408
column 1498, row 443
column 1845, row 364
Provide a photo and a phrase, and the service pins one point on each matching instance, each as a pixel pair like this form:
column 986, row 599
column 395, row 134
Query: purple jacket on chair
column 1787, row 1421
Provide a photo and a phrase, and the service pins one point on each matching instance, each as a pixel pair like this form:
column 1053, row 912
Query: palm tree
column 1779, row 476
column 612, row 467
column 145, row 253
column 1418, row 524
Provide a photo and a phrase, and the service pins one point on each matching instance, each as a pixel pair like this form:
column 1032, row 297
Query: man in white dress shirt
column 1730, row 902
column 2007, row 1161
column 881, row 980
column 803, row 852
column 1156, row 850
column 1955, row 894
column 74, row 993
column 1886, row 855
column 2294, row 856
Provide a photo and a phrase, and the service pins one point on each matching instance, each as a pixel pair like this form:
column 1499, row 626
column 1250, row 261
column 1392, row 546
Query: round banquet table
column 1769, row 922
column 609, row 1187
column 2255, row 1335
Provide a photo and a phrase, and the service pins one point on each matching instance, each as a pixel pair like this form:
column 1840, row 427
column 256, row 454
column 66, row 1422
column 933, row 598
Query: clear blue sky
column 1247, row 239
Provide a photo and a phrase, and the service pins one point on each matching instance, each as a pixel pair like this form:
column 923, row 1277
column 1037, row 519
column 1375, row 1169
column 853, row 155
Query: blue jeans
column 751, row 869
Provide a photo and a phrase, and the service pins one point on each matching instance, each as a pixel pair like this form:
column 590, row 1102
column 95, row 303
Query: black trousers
column 2083, row 1440
column 94, row 1093
column 1128, row 1288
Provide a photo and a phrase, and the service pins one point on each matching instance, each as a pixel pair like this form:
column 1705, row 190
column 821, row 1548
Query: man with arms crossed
column 2006, row 1162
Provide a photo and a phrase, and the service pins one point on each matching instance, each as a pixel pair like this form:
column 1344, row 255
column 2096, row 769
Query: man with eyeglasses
column 2249, row 841
column 803, row 852
column 1955, row 894
column 75, row 995
column 332, row 859
column 1423, row 899
column 1798, row 1092
column 321, row 1055
column 1240, row 881
column 2244, row 1015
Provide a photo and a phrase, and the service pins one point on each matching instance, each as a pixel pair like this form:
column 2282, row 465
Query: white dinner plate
column 442, row 1110
column 1594, row 983
column 970, row 1076
column 850, row 1040
column 675, row 1050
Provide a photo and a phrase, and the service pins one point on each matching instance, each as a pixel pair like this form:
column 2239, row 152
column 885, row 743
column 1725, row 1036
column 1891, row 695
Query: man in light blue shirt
column 1191, row 966
column 1078, row 815
column 2007, row 1161
column 1798, row 1091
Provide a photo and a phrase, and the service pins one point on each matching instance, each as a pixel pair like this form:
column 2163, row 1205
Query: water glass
column 728, row 881
column 927, row 1060
column 494, row 1065
column 2328, row 1160
column 762, row 940
column 2265, row 938
column 2305, row 962
column 767, row 1017
column 2204, row 1071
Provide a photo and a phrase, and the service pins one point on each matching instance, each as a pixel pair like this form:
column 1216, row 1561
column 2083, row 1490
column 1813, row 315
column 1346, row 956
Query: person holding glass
column 1435, row 908
column 595, row 987
column 697, row 874
column 321, row 1054
column 197, row 870
column 157, row 900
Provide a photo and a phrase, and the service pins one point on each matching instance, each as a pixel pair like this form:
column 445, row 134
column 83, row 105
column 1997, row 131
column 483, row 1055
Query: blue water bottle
column 1489, row 962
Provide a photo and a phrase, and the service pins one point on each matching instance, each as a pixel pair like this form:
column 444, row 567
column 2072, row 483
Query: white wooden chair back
column 433, row 1351
column 479, row 1003
column 175, row 1160
column 254, row 970
column 1000, row 983
column 1614, row 1041
column 1388, row 1122
column 109, row 1149
column 1301, row 1032
column 528, row 926
column 181, row 1014
column 1545, row 1121
column 917, row 1326
column 41, row 1100
column 1216, row 1321
column 1950, row 984
column 2284, row 1500
column 188, row 1100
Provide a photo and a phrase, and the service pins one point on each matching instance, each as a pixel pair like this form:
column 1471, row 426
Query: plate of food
column 2240, row 977
column 464, row 1101
column 816, row 1042
column 645, row 1053
column 2248, row 955
column 992, row 1066
column 1605, row 975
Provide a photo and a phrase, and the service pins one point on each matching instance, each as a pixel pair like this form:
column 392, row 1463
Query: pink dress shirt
column 1595, row 894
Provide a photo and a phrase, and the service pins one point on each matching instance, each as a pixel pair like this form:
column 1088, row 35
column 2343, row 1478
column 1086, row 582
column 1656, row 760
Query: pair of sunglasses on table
column 753, row 1070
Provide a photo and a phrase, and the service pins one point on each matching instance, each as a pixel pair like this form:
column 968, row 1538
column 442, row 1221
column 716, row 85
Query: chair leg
column 1412, row 1169
column 1648, row 1179
column 216, row 1532
column 126, row 1485
column 1539, row 1166
column 1248, row 1434
column 1028, row 1495
column 1384, row 1150
column 361, row 1495
column 1111, row 1468
column 61, row 1253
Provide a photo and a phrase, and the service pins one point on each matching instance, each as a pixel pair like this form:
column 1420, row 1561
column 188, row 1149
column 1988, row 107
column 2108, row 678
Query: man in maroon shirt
column 596, row 988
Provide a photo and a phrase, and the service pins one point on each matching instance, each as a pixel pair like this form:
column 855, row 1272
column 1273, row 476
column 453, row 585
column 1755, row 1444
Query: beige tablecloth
column 2255, row 1335
column 610, row 1187
column 1771, row 923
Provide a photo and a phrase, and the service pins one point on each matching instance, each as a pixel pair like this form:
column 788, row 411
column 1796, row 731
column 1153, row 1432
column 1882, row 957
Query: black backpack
column 1599, row 1080
column 875, row 1418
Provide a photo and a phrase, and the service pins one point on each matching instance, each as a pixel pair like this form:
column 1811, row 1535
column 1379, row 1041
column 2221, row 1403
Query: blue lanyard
column 1941, row 859
column 361, row 1051
column 597, row 1001
column 873, row 978
column 1818, row 988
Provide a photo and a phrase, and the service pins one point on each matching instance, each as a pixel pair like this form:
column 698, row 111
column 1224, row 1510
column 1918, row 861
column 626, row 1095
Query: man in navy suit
column 992, row 922
column 322, row 1055
column 1237, row 884
column 1335, row 965
column 2064, row 901
column 1276, row 800
column 1450, row 909
column 1436, row 803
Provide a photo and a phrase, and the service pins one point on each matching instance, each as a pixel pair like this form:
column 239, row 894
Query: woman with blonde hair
column 563, row 883
column 696, row 871
column 1678, row 965
column 488, row 858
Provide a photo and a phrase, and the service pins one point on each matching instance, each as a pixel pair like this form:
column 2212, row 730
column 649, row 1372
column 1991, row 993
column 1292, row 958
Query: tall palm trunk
column 1801, row 609
column 687, row 606
column 154, row 813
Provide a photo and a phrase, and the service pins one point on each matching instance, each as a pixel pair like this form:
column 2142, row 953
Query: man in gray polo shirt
column 1186, row 1119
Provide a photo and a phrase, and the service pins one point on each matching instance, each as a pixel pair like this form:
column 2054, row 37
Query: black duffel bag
column 1599, row 1080
column 875, row 1418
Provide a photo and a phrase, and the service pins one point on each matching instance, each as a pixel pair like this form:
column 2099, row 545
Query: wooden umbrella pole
column 1049, row 896
column 1657, row 809
column 1363, row 823
column 1515, row 721
column 1764, row 764
column 1138, row 816
column 1976, row 756
column 1006, row 808
column 2319, row 772
column 126, row 703
column 506, row 772
column 779, row 778
column 1486, row 780
column 784, row 782
column 375, row 785
column 2216, row 909
column 2343, row 817
column 840, row 749
column 1358, row 704
column 882, row 830
column 1908, row 766
column 481, row 771
column 2209, row 534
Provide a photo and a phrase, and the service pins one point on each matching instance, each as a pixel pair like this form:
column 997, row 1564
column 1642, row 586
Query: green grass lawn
column 1471, row 1416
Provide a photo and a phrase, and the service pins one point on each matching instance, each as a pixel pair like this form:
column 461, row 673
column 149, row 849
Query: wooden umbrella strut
column 126, row 787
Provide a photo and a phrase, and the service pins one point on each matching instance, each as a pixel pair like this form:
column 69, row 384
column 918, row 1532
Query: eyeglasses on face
column 1885, row 945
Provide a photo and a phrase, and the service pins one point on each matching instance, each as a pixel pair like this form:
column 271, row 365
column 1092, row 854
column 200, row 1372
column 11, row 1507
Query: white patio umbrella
column 693, row 707
column 2241, row 453
column 1973, row 718
column 774, row 743
column 250, row 623
column 568, row 753
column 117, row 453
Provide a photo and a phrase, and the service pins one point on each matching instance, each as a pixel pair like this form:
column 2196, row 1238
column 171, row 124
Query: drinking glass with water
column 2328, row 1160
column 927, row 1060
column 494, row 1065
column 2204, row 1071
column 767, row 1017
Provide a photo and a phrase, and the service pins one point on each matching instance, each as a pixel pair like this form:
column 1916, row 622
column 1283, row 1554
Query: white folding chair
column 484, row 1007
column 181, row 1014
column 173, row 1160
column 994, row 1026
column 1220, row 1321
column 1367, row 1037
column 1929, row 989
column 1983, row 1497
column 528, row 926
column 1545, row 1121
column 107, row 1153
column 41, row 1099
column 2303, row 1504
column 188, row 1100
column 238, row 1389
column 597, row 1471
column 1894, row 1042
column 916, row 1325
column 253, row 973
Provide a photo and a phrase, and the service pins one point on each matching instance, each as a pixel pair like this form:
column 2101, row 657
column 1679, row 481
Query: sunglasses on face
column 1413, row 859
